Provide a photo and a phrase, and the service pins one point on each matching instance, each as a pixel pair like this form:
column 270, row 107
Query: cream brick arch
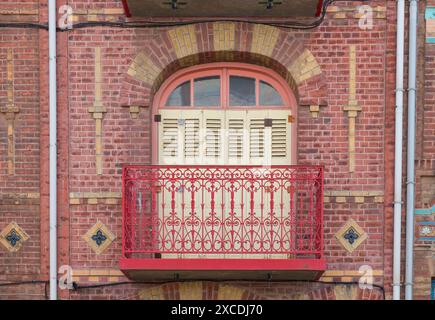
column 180, row 47
column 196, row 290
column 208, row 290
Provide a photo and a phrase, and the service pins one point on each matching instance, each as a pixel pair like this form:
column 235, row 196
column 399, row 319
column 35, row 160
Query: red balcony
column 222, row 222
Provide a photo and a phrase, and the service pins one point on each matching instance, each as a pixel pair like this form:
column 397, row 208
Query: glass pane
column 242, row 91
column 208, row 92
column 269, row 96
column 180, row 96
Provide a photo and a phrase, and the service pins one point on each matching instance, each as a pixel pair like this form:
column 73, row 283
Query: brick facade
column 20, row 145
column 342, row 77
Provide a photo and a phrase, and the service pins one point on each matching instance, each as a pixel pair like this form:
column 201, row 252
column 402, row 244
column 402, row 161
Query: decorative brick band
column 19, row 15
column 98, row 111
column 379, row 12
column 111, row 198
column 19, row 195
column 98, row 275
column 348, row 273
column 352, row 108
column 20, row 198
column 9, row 111
column 98, row 15
column 19, row 11
column 357, row 196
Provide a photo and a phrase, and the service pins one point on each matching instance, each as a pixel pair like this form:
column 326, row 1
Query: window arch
column 248, row 96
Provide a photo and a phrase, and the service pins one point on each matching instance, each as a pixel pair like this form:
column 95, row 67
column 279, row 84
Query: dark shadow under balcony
column 222, row 222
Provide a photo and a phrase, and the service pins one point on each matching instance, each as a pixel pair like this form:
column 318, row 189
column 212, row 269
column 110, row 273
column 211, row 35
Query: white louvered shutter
column 233, row 137
column 237, row 137
column 213, row 137
column 255, row 127
column 281, row 152
column 169, row 138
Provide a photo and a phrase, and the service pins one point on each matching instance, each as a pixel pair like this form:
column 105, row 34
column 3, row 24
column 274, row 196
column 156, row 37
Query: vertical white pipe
column 53, row 147
column 410, row 184
column 398, row 148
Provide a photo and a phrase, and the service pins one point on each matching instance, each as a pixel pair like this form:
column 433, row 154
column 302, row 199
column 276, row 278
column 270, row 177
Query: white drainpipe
column 410, row 184
column 398, row 148
column 53, row 148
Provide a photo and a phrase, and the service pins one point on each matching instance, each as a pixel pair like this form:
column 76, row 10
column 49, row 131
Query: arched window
column 224, row 113
column 224, row 87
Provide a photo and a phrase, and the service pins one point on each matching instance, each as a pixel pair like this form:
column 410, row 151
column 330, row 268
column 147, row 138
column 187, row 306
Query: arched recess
column 181, row 47
column 260, row 77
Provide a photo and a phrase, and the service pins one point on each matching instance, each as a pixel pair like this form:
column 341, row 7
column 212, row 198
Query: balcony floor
column 223, row 269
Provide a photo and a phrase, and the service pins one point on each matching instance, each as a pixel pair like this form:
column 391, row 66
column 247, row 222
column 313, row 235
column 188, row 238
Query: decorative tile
column 426, row 230
column 99, row 237
column 12, row 237
column 425, row 211
column 351, row 235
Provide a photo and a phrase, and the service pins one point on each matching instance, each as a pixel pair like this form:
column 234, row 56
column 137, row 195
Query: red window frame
column 225, row 71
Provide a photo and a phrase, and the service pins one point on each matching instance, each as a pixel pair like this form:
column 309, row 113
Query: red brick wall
column 19, row 192
column 322, row 140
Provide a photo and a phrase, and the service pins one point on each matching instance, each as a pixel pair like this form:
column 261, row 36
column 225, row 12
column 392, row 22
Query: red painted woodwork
column 319, row 8
column 126, row 8
column 221, row 269
column 128, row 13
column 225, row 70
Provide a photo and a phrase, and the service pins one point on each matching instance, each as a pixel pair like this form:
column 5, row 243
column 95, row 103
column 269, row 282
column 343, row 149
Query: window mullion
column 225, row 89
column 257, row 92
column 192, row 93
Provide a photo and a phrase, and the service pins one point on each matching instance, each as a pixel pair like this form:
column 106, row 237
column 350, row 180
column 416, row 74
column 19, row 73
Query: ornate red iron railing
column 223, row 211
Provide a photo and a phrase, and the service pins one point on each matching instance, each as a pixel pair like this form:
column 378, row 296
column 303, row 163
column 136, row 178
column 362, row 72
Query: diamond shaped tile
column 99, row 237
column 351, row 235
column 12, row 237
